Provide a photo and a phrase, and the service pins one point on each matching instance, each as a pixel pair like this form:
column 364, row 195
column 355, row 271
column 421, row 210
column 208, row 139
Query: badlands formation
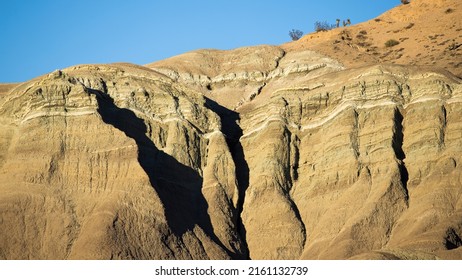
column 331, row 147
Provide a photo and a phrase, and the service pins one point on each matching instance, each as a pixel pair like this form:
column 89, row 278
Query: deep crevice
column 293, row 176
column 299, row 217
column 295, row 143
column 398, row 138
column 444, row 118
column 177, row 185
column 452, row 240
column 257, row 93
column 278, row 59
column 233, row 132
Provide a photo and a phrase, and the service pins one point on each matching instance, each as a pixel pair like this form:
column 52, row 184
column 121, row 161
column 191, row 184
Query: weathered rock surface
column 263, row 153
column 368, row 167
column 114, row 162
column 234, row 78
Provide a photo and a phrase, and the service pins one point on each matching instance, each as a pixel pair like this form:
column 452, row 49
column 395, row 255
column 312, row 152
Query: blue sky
column 40, row 36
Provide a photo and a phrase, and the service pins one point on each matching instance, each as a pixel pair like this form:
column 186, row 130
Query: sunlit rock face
column 115, row 162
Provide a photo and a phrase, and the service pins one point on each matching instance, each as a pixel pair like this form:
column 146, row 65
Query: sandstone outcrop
column 263, row 152
column 363, row 168
column 114, row 162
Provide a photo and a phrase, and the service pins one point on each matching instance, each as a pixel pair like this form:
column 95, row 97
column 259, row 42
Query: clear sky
column 39, row 36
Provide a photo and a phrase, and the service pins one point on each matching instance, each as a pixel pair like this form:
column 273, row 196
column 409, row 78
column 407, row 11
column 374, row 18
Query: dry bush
column 323, row 26
column 409, row 26
column 295, row 34
column 390, row 43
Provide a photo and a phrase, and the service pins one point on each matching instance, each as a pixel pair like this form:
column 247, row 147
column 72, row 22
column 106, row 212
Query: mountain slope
column 429, row 34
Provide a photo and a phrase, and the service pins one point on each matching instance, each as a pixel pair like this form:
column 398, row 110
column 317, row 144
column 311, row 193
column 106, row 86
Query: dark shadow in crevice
column 452, row 240
column 398, row 136
column 233, row 132
column 398, row 139
column 178, row 186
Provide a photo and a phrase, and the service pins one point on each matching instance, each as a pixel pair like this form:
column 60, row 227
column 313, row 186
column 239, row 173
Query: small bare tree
column 323, row 26
column 346, row 22
column 295, row 34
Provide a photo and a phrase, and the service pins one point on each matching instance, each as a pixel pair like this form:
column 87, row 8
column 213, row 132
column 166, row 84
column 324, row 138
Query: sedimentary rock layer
column 365, row 169
column 114, row 162
column 119, row 161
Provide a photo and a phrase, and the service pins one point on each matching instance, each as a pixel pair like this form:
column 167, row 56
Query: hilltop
column 429, row 33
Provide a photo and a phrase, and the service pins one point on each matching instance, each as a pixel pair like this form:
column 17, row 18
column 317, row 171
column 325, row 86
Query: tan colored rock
column 351, row 180
column 235, row 78
column 107, row 162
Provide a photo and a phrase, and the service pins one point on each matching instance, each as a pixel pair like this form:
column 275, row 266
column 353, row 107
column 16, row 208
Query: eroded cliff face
column 367, row 168
column 335, row 158
column 120, row 161
column 114, row 162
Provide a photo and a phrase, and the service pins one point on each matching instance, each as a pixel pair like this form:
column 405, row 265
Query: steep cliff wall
column 114, row 162
column 119, row 161
column 367, row 167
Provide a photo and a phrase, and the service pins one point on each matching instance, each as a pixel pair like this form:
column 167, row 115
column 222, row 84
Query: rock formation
column 262, row 152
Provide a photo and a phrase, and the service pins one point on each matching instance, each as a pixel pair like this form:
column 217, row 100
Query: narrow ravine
column 398, row 138
column 183, row 201
column 233, row 132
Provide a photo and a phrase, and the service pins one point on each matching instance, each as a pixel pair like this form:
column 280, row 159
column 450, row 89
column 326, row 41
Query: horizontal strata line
column 171, row 119
column 434, row 98
column 113, row 149
column 89, row 112
column 317, row 123
column 52, row 114
column 343, row 107
column 93, row 111
column 257, row 76
column 153, row 118
column 316, row 86
column 339, row 109
column 265, row 124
